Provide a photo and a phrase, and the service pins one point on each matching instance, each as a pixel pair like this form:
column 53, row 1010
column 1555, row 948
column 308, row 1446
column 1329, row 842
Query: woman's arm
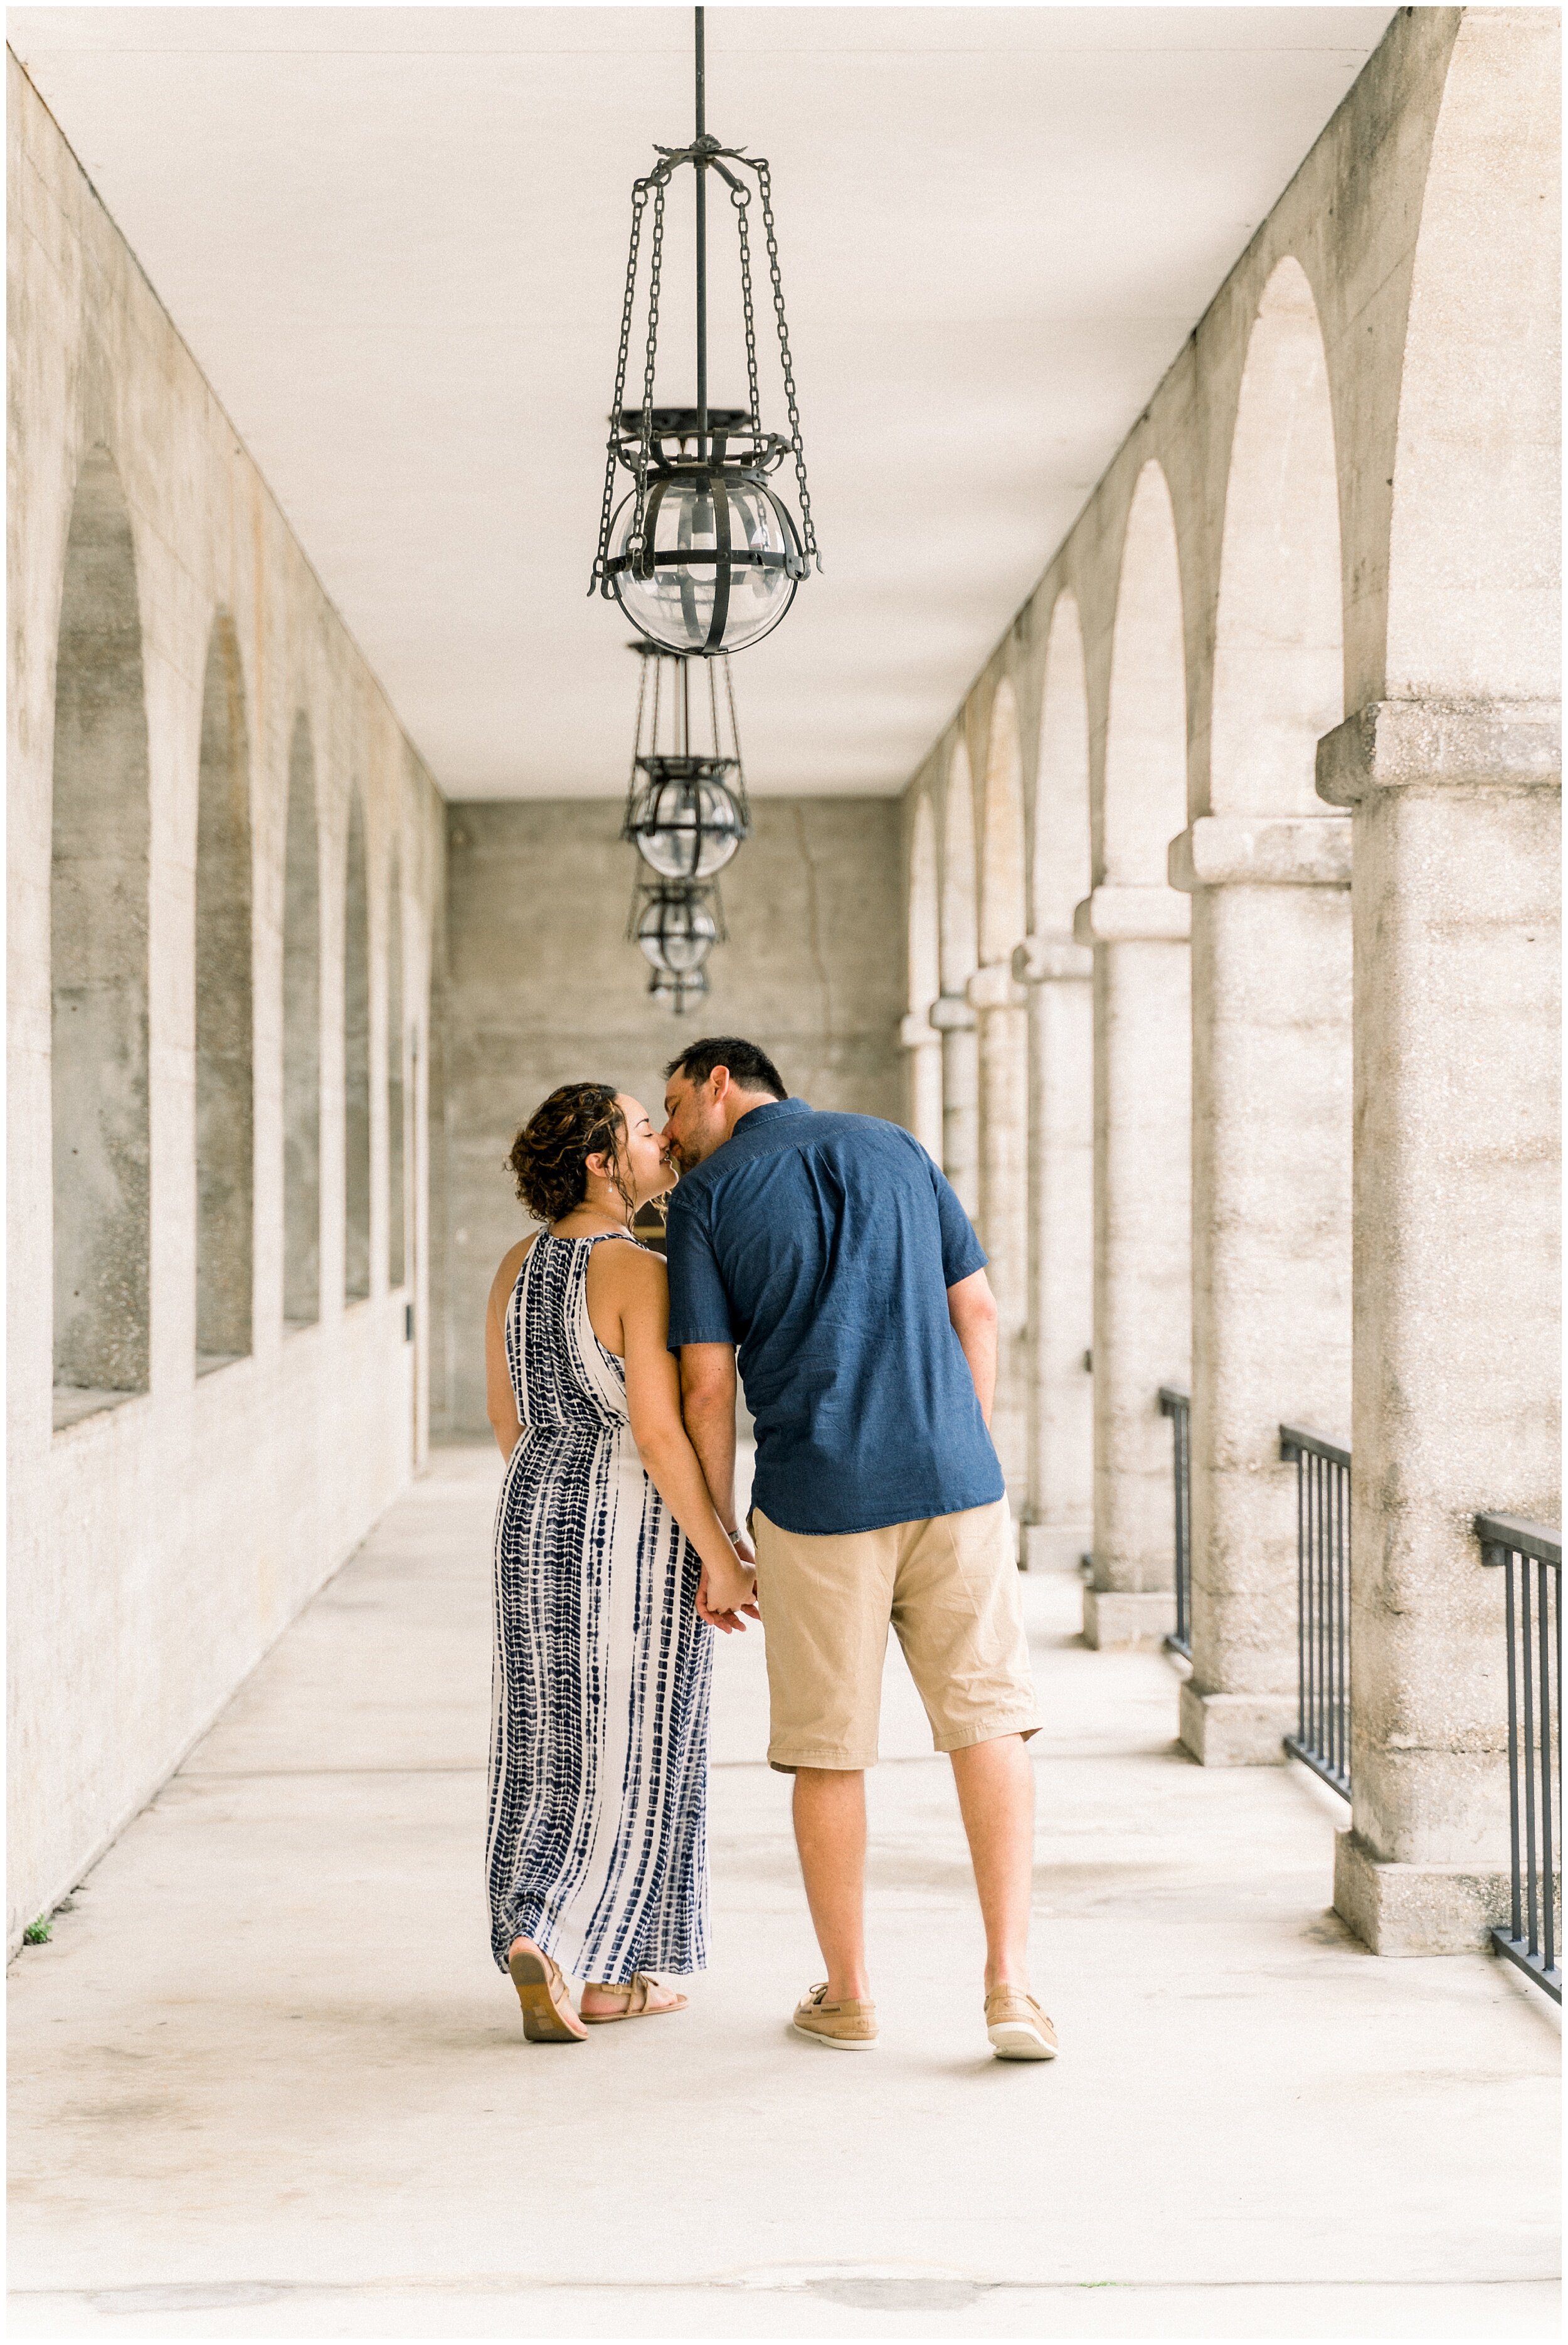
column 638, row 1287
column 499, row 1400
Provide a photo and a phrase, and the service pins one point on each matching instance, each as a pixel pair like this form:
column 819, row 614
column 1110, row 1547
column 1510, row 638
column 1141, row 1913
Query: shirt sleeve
column 699, row 1306
column 962, row 1253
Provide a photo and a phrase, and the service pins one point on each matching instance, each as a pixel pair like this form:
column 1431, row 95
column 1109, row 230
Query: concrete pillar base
column 1236, row 1730
column 1415, row 1909
column 1055, row 1547
column 1112, row 1617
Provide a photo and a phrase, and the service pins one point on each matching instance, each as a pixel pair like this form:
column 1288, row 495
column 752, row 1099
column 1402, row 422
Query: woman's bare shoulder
column 512, row 1262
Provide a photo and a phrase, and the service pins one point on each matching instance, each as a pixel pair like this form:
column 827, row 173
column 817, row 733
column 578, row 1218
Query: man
column 832, row 1254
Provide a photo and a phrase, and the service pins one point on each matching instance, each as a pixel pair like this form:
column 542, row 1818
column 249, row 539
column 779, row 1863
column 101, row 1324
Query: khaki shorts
column 950, row 1588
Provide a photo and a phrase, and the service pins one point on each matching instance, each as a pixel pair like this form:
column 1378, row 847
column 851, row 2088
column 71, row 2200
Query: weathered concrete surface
column 540, row 986
column 267, row 2083
column 157, row 1547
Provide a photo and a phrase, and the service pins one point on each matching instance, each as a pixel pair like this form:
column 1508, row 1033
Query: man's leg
column 996, row 1784
column 830, row 1833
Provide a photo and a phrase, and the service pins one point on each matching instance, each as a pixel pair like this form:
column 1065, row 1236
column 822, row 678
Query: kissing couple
column 829, row 1253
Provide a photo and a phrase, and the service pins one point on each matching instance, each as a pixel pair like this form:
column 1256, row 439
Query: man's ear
column 719, row 1078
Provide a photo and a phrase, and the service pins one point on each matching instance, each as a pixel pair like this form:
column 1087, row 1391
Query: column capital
column 995, row 988
column 1228, row 850
column 1125, row 915
column 1050, row 959
column 916, row 1032
column 1390, row 743
column 951, row 1013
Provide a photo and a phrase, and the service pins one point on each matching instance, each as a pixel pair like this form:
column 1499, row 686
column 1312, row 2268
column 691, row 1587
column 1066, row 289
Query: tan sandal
column 638, row 2006
column 547, row 2013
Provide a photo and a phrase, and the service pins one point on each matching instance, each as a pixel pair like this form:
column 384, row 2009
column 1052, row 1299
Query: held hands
column 726, row 1590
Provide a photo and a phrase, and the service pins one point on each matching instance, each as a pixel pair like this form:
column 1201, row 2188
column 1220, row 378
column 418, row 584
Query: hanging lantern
column 680, row 992
column 686, row 806
column 676, row 924
column 702, row 555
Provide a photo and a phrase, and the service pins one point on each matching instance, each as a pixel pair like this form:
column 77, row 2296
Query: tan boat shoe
column 637, row 2004
column 1018, row 2028
column 842, row 2026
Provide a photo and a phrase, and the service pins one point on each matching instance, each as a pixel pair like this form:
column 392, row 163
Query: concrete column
column 1270, row 1245
column 1059, row 1521
column 1142, row 1315
column 1000, row 1003
column 1456, row 1343
column 955, row 1022
column 923, row 1084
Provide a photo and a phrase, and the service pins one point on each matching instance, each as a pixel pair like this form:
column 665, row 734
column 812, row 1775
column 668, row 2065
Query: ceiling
column 395, row 239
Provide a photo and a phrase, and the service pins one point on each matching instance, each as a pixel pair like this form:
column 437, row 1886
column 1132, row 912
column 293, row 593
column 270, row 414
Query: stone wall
column 186, row 1463
column 538, row 987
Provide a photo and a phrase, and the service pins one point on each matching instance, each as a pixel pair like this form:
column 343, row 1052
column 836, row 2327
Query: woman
column 606, row 1546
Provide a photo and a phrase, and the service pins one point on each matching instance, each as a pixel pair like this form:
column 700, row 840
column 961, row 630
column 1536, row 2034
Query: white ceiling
column 395, row 239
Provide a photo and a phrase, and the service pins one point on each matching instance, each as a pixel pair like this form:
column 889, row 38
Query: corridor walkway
column 266, row 2083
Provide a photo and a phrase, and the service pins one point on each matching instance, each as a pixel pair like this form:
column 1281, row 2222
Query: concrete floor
column 266, row 2083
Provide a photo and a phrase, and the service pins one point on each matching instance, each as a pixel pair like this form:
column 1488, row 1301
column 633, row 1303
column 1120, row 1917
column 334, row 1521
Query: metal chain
column 808, row 532
column 741, row 197
column 645, row 443
column 639, row 201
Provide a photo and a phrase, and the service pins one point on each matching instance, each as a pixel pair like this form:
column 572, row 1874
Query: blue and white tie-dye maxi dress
column 599, row 1750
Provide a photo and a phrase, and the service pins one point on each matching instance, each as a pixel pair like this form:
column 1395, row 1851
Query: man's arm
column 708, row 1405
column 972, row 1308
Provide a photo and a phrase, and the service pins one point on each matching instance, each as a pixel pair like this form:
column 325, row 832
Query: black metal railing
column 1531, row 1556
column 1323, row 1737
column 1177, row 1405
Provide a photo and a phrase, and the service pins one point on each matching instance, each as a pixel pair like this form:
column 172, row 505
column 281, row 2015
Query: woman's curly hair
column 550, row 1155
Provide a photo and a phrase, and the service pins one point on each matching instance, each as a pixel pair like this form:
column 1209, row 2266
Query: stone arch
column 1060, row 1432
column 959, row 943
column 356, row 1058
column 302, row 1038
column 1004, row 863
column 1062, row 870
column 1279, row 651
column 1268, row 869
column 99, row 913
column 225, row 1025
column 1145, row 799
column 1473, row 600
column 925, row 969
column 397, row 1084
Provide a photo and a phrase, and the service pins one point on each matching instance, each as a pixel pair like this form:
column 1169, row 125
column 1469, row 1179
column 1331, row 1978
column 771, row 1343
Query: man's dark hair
column 752, row 1069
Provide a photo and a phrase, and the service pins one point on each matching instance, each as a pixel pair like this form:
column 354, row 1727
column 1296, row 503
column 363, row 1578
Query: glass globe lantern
column 680, row 992
column 708, row 561
column 686, row 825
column 677, row 927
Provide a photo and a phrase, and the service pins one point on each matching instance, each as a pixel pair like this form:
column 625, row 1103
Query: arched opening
column 1061, row 1116
column 924, row 983
column 397, row 1087
column 1004, row 1050
column 224, row 1110
column 1142, row 1336
column 1145, row 799
column 301, row 1040
column 98, row 909
column 958, row 941
column 1268, row 877
column 1062, row 866
column 954, row 1015
column 1279, row 648
column 356, row 1060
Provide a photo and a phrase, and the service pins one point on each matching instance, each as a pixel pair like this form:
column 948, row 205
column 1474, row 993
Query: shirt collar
column 764, row 1118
